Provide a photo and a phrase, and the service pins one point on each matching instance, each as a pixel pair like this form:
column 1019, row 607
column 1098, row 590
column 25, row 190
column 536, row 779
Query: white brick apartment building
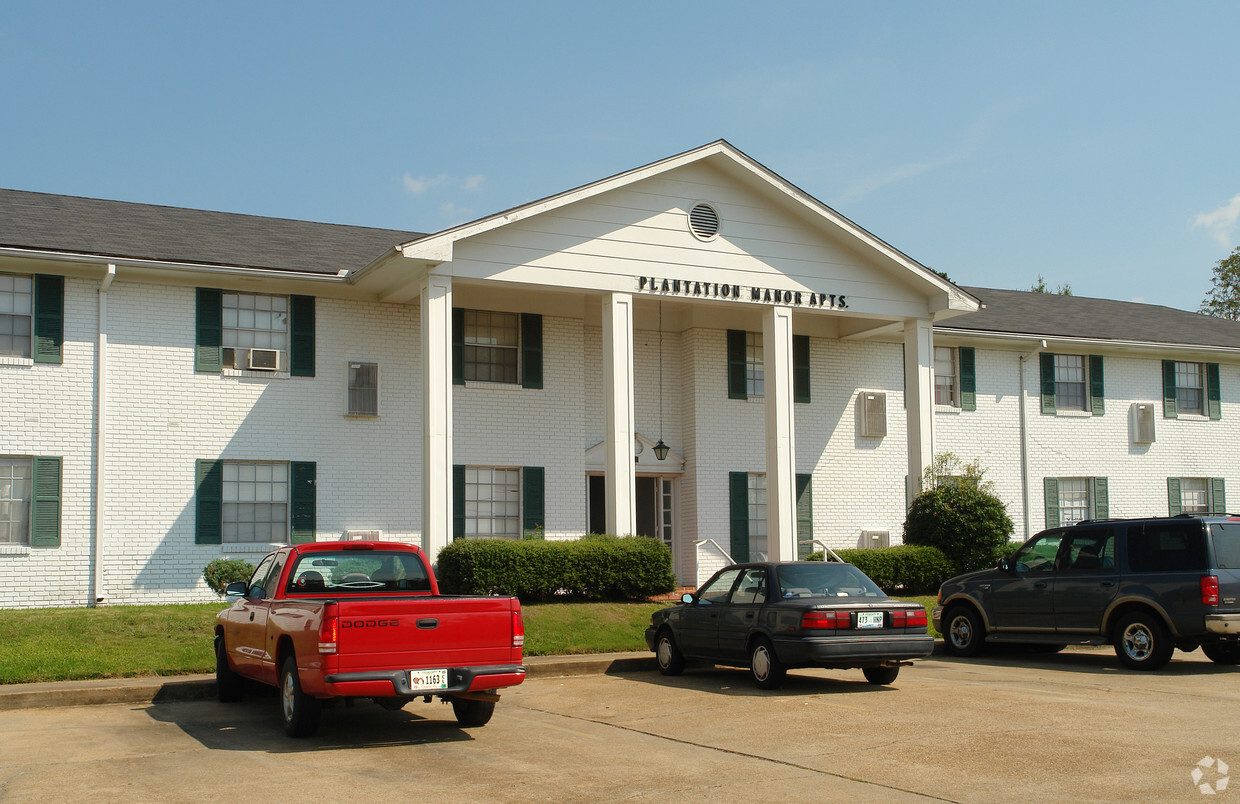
column 178, row 386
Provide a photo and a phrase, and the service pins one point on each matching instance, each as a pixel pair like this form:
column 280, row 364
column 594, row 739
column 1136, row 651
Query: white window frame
column 755, row 374
column 1062, row 399
column 1082, row 499
column 16, row 305
column 757, row 502
column 952, row 376
column 1204, row 494
column 15, row 500
column 255, row 483
column 254, row 318
column 1182, row 371
column 482, row 335
column 352, row 389
column 482, row 485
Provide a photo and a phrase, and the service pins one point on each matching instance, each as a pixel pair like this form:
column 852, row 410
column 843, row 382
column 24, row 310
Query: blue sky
column 1093, row 144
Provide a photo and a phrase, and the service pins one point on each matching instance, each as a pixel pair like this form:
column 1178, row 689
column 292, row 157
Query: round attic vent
column 704, row 221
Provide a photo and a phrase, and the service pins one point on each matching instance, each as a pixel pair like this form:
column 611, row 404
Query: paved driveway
column 1069, row 727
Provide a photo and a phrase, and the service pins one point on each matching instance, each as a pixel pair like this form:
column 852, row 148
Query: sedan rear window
column 823, row 579
column 356, row 571
column 1226, row 544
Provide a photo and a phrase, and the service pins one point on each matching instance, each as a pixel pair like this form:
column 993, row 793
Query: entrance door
column 655, row 506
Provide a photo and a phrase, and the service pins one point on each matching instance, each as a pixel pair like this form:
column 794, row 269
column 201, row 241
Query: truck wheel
column 227, row 683
column 300, row 711
column 472, row 713
column 963, row 631
column 1219, row 653
column 1142, row 642
column 881, row 675
column 671, row 660
column 767, row 670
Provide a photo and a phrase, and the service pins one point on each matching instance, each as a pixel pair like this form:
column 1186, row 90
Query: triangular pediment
column 645, row 461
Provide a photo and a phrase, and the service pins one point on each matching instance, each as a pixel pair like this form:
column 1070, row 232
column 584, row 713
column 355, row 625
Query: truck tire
column 228, row 685
column 1142, row 641
column 472, row 713
column 963, row 631
column 671, row 661
column 299, row 711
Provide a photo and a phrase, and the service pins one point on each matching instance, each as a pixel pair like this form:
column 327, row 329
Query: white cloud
column 1221, row 222
column 473, row 182
column 422, row 183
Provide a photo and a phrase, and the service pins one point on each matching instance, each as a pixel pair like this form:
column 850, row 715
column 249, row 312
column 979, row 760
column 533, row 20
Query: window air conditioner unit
column 264, row 359
column 1142, row 422
column 872, row 413
column 875, row 538
column 362, row 535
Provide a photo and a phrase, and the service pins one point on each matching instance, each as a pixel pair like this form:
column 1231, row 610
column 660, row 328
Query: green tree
column 1040, row 287
column 958, row 512
column 1223, row 298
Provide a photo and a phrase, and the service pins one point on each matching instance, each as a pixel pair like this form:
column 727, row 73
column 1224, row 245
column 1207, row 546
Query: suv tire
column 1220, row 653
column 963, row 631
column 1142, row 641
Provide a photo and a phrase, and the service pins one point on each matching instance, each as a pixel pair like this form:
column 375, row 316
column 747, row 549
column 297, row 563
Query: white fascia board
column 1065, row 340
column 176, row 267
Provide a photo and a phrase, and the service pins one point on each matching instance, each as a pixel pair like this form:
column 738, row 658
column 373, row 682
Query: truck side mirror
column 235, row 589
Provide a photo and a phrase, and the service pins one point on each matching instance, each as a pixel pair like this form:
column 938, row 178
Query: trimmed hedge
column 591, row 568
column 223, row 571
column 907, row 568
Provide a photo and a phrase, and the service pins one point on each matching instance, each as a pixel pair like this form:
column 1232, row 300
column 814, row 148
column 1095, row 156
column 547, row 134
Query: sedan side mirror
column 235, row 589
column 1005, row 565
column 686, row 598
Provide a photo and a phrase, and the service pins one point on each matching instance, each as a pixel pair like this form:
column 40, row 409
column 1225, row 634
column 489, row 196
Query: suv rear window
column 1226, row 544
column 1167, row 547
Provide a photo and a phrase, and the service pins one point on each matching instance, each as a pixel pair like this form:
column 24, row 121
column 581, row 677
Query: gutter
column 1067, row 339
column 237, row 270
column 101, row 418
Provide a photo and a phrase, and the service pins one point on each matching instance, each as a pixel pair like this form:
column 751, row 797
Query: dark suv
column 1146, row 586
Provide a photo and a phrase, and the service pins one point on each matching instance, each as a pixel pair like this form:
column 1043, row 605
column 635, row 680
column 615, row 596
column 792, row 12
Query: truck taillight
column 329, row 632
column 912, row 618
column 826, row 619
column 518, row 629
column 1209, row 590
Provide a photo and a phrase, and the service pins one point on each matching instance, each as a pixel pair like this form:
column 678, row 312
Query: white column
column 618, row 391
column 919, row 397
column 436, row 413
column 781, row 479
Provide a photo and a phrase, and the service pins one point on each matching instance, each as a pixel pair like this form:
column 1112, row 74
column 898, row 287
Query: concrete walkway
column 159, row 689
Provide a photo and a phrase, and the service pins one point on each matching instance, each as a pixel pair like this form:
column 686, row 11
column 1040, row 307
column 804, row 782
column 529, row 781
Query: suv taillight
column 826, row 619
column 1209, row 590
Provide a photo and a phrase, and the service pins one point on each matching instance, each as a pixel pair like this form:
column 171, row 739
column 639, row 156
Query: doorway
column 655, row 506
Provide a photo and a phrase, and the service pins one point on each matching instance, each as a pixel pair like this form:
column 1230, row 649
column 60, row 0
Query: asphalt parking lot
column 1069, row 727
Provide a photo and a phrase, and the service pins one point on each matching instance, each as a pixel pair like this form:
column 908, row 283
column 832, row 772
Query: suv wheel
column 1223, row 653
column 962, row 631
column 1142, row 641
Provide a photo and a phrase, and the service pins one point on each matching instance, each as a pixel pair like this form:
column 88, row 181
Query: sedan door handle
column 1108, row 583
column 1040, row 585
column 749, row 615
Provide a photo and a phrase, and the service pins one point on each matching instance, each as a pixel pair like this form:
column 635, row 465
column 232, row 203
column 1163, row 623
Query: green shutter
column 531, row 351
column 1213, row 393
column 49, row 319
column 209, row 341
column 1096, row 391
column 736, row 364
column 1048, row 382
column 208, row 501
column 1050, row 491
column 301, row 336
column 800, row 368
column 1169, row 411
column 533, row 498
column 1102, row 499
column 1218, row 495
column 968, row 378
column 303, row 498
column 458, row 346
column 805, row 516
column 1175, row 502
column 458, row 501
column 738, row 505
column 45, row 503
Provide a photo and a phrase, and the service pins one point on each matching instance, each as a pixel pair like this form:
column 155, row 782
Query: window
column 16, row 489
column 1190, row 388
column 357, row 572
column 363, row 389
column 254, row 322
column 255, row 502
column 1196, row 495
column 752, row 588
column 1072, row 499
column 746, row 373
column 754, row 383
column 946, row 382
column 492, row 502
column 1090, row 550
column 1167, row 547
column 491, row 346
column 1070, row 382
column 16, row 306
column 1038, row 557
column 716, row 590
column 757, row 518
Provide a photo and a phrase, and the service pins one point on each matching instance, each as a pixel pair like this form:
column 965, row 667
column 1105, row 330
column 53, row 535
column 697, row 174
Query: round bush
column 969, row 524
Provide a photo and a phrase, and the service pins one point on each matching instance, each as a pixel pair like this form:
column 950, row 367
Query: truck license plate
column 869, row 619
column 428, row 679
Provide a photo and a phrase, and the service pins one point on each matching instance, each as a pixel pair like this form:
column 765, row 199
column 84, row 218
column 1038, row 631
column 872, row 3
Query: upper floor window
column 16, row 305
column 363, row 389
column 255, row 331
column 945, row 377
column 1072, row 382
column 491, row 346
column 755, row 385
column 1190, row 388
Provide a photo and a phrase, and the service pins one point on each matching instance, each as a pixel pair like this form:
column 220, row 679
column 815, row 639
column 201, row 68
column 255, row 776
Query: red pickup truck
column 364, row 620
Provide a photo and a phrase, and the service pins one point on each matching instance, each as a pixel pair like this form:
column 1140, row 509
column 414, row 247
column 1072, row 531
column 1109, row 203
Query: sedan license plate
column 428, row 679
column 869, row 619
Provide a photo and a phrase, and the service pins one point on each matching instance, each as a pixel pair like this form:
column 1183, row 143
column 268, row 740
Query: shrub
column 592, row 568
column 223, row 571
column 907, row 568
column 959, row 514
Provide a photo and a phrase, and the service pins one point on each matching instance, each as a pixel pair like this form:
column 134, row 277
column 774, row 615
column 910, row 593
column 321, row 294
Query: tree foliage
column 959, row 513
column 1041, row 287
column 1223, row 298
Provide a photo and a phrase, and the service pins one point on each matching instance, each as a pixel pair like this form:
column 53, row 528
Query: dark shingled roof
column 143, row 231
column 1052, row 315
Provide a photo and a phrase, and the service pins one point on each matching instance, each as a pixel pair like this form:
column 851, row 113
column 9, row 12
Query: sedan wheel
column 881, row 675
column 671, row 660
column 767, row 670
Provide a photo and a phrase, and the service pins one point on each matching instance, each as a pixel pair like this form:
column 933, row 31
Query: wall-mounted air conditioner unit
column 872, row 414
column 362, row 535
column 1141, row 422
column 874, row 538
column 264, row 359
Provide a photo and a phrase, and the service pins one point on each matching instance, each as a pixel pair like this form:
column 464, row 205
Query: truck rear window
column 1167, row 547
column 1226, row 544
column 355, row 571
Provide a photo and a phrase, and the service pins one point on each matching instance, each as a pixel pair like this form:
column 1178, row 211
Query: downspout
column 1024, row 438
column 101, row 409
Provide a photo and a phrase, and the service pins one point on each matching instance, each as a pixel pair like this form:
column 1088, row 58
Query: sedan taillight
column 826, row 619
column 912, row 618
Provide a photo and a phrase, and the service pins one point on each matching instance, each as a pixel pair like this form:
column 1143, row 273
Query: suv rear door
column 1226, row 540
column 1087, row 579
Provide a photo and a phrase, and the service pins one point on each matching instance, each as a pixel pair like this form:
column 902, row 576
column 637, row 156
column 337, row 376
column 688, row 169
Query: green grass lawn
column 125, row 641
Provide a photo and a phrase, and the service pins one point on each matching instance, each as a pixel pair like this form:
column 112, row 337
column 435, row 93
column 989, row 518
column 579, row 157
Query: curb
column 202, row 687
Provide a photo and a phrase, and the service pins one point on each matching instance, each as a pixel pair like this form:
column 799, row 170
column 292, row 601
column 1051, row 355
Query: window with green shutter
column 498, row 347
column 49, row 319
column 303, row 500
column 805, row 516
column 736, row 364
column 1050, row 495
column 533, row 500
column 458, row 501
column 1070, row 500
column 209, row 326
column 45, row 502
column 738, row 507
column 1196, row 495
column 531, row 351
column 301, row 336
column 968, row 378
column 208, row 501
column 800, row 368
column 1047, row 366
column 1096, row 390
